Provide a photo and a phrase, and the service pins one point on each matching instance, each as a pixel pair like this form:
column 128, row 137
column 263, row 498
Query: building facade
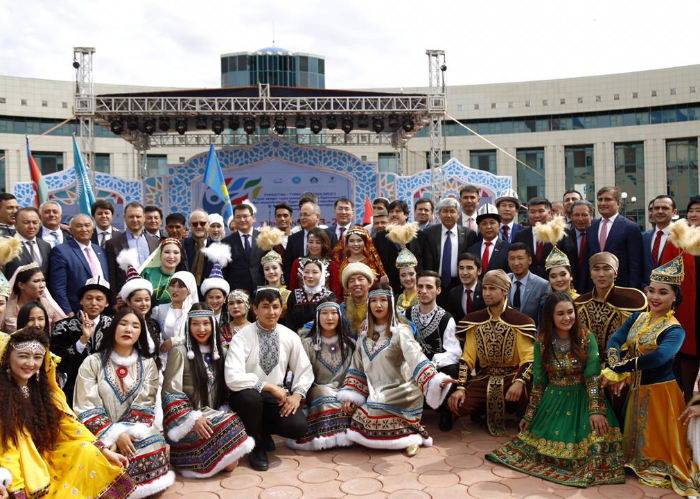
column 274, row 66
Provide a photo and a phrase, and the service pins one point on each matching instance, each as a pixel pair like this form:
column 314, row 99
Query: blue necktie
column 446, row 270
column 247, row 245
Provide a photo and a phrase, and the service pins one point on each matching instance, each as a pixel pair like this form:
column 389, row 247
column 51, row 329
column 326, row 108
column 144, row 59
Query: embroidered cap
column 99, row 283
column 672, row 272
column 487, row 211
column 509, row 195
column 556, row 258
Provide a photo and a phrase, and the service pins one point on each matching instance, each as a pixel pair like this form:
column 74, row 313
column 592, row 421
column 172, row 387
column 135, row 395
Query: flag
column 41, row 191
column 85, row 196
column 214, row 178
column 367, row 219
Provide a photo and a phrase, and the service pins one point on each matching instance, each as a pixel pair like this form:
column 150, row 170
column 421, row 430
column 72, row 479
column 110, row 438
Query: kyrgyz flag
column 41, row 191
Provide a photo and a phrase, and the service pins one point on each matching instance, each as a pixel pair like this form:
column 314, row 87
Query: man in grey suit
column 528, row 289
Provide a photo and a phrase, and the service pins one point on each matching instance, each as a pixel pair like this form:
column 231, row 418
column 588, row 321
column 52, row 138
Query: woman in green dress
column 160, row 267
column 569, row 434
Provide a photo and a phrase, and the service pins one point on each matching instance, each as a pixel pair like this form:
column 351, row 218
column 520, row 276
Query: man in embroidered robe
column 500, row 341
column 436, row 334
column 258, row 360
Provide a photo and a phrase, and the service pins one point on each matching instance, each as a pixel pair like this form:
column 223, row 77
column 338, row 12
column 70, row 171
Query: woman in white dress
column 171, row 317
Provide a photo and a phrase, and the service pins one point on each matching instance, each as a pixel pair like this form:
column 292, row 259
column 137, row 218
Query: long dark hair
column 392, row 309
column 347, row 345
column 201, row 380
column 107, row 344
column 325, row 241
column 23, row 277
column 38, row 413
column 578, row 336
column 23, row 316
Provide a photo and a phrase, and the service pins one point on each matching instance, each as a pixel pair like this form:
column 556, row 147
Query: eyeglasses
column 198, row 224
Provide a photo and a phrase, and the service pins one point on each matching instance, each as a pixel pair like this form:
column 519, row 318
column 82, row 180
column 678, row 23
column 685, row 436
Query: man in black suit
column 344, row 211
column 103, row 213
column 490, row 249
column 389, row 251
column 582, row 214
column 245, row 270
column 154, row 222
column 441, row 244
column 34, row 249
column 134, row 237
column 309, row 216
column 51, row 230
column 466, row 298
column 539, row 210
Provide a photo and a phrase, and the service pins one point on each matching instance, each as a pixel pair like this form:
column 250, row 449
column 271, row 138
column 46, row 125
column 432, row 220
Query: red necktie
column 580, row 250
column 505, row 234
column 539, row 252
column 469, row 302
column 342, row 233
column 485, row 259
column 656, row 247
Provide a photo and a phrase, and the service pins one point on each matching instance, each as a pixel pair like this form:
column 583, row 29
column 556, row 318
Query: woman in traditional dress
column 358, row 247
column 115, row 397
column 204, row 439
column 640, row 354
column 10, row 248
column 238, row 303
column 159, row 268
column 301, row 305
column 44, row 449
column 390, row 360
column 569, row 433
column 329, row 348
column 269, row 239
column 215, row 288
column 557, row 265
column 34, row 314
column 406, row 262
column 318, row 248
column 171, row 317
column 29, row 284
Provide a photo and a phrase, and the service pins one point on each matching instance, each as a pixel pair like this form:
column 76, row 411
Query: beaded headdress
column 403, row 235
column 267, row 240
column 670, row 273
column 556, row 258
column 188, row 341
column 238, row 294
column 32, row 346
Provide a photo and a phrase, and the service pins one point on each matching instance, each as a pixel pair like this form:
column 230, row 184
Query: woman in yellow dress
column 44, row 449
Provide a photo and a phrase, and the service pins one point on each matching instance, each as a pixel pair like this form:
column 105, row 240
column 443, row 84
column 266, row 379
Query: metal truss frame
column 322, row 139
column 436, row 108
column 84, row 102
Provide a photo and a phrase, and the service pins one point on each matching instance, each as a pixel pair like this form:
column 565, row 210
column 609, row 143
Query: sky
column 367, row 44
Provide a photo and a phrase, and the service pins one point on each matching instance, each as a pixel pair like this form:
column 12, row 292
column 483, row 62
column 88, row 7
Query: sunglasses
column 198, row 224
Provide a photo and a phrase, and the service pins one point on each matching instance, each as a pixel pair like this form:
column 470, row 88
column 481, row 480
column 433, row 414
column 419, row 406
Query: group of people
column 133, row 354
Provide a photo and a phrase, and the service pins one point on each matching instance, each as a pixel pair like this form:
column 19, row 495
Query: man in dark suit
column 570, row 197
column 34, row 249
column 197, row 263
column 469, row 197
column 309, row 216
column 75, row 262
column 663, row 210
column 154, row 222
column 134, row 237
column 582, row 213
column 508, row 206
column 490, row 249
column 51, row 230
column 539, row 210
column 103, row 213
column 617, row 235
column 344, row 211
column 245, row 270
column 466, row 298
column 441, row 244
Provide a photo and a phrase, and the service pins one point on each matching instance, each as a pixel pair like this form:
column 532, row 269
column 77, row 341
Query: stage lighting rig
column 132, row 123
column 362, row 121
column 201, row 123
column 117, row 126
column 164, row 124
column 217, row 126
column 394, row 122
column 181, row 126
column 234, row 124
column 346, row 125
column 331, row 123
column 408, row 125
column 149, row 126
column 377, row 125
column 316, row 126
column 280, row 125
column 249, row 125
column 265, row 123
column 300, row 122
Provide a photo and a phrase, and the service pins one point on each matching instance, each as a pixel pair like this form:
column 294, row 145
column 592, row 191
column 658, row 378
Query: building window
column 493, row 105
column 562, row 101
column 156, row 165
column 530, row 183
column 616, row 97
column 527, row 103
column 64, row 105
column 49, row 162
column 2, row 100
column 3, row 155
column 682, row 170
column 446, row 155
column 653, row 93
column 545, row 102
column 635, row 95
column 387, row 162
column 692, row 89
column 44, row 103
column 578, row 166
column 629, row 177
column 476, row 107
column 483, row 160
column 673, row 91
column 459, row 107
column 580, row 100
column 102, row 163
column 23, row 102
column 598, row 98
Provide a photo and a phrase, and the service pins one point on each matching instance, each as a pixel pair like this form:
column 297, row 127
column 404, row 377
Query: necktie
column 91, row 262
column 485, row 258
column 342, row 233
column 504, row 229
column 540, row 251
column 472, row 225
column 516, row 295
column 103, row 239
column 247, row 245
column 656, row 247
column 54, row 234
column 603, row 234
column 446, row 270
column 34, row 252
column 468, row 308
column 580, row 249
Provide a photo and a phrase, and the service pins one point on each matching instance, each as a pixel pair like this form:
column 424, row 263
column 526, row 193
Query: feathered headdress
column 10, row 248
column 685, row 238
column 220, row 255
column 552, row 232
column 269, row 238
column 403, row 235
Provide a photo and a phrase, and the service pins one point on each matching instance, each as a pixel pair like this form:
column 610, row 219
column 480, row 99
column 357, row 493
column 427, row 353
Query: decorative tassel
column 190, row 353
column 552, row 232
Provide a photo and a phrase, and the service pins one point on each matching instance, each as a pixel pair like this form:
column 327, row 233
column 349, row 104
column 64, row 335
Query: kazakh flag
column 214, row 178
column 41, row 191
column 85, row 196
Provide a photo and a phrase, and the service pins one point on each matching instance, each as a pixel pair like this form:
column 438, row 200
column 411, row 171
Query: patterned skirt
column 327, row 423
column 383, row 426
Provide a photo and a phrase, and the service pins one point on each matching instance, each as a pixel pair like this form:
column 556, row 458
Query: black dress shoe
column 446, row 421
column 268, row 443
column 258, row 459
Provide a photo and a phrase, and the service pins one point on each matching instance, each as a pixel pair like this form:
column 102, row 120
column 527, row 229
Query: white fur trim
column 351, row 395
column 128, row 257
column 395, row 444
column 153, row 487
column 215, row 283
column 134, row 285
column 436, row 395
column 180, row 431
column 136, row 430
column 5, row 477
column 321, row 443
column 124, row 361
column 694, row 438
column 246, row 447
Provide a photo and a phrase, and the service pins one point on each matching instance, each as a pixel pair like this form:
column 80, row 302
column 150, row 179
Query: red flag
column 367, row 218
column 38, row 182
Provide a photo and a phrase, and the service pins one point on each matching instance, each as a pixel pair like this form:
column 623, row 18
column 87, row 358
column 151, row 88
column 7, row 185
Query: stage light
column 346, row 125
column 234, row 124
column 362, row 121
column 181, row 126
column 76, row 64
column 132, row 123
column 201, row 123
column 217, row 126
column 265, row 122
column 331, row 123
column 377, row 125
column 408, row 125
column 117, row 126
column 316, row 125
column 394, row 122
column 249, row 125
column 280, row 125
column 164, row 124
column 300, row 122
column 149, row 126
